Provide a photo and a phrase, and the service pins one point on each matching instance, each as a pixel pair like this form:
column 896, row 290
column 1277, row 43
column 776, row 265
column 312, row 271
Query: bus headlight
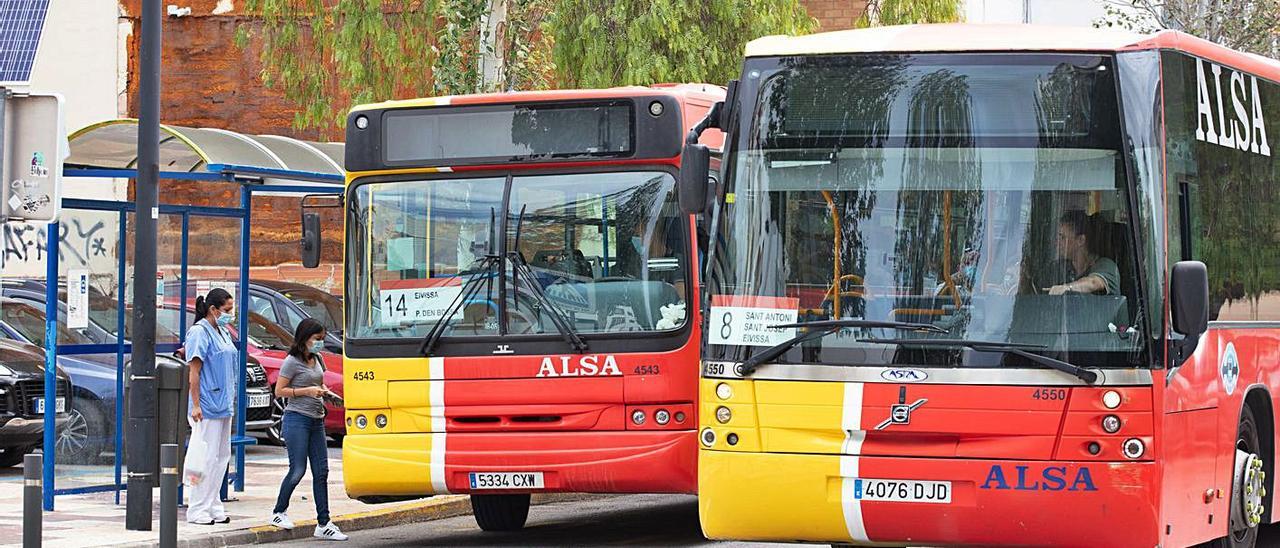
column 1111, row 399
column 723, row 414
column 1111, row 424
column 361, row 421
column 708, row 437
column 662, row 416
column 362, row 121
column 1133, row 448
column 724, row 391
column 380, row 420
column 637, row 417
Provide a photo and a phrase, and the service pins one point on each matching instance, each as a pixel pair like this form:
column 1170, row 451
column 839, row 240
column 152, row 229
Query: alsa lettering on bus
column 1052, row 478
column 1248, row 131
column 587, row 365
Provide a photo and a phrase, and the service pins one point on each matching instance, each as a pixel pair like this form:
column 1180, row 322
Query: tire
column 496, row 513
column 275, row 432
column 12, row 456
column 82, row 439
column 1247, row 440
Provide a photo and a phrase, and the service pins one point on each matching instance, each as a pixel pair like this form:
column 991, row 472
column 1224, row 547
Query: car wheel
column 79, row 440
column 275, row 432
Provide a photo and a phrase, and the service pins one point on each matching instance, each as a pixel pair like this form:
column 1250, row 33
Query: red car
column 269, row 344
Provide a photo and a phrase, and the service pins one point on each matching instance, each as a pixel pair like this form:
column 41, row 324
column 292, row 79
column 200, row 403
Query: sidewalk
column 95, row 519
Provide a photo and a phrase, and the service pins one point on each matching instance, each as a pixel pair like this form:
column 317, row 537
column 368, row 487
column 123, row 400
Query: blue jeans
column 305, row 440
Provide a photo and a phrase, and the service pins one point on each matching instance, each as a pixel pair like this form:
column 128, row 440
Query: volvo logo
column 504, row 349
column 903, row 375
column 900, row 413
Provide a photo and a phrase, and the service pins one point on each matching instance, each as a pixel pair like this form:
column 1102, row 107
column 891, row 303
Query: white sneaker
column 282, row 521
column 329, row 532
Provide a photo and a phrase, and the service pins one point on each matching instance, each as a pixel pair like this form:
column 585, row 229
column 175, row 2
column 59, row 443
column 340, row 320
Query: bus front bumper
column 818, row 498
column 419, row 464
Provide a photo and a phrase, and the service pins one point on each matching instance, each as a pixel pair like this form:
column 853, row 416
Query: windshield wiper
column 821, row 328
column 1005, row 347
column 488, row 266
column 524, row 272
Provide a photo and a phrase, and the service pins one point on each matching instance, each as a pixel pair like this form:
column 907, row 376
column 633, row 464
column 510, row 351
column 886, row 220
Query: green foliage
column 325, row 55
column 603, row 43
column 907, row 12
column 1248, row 25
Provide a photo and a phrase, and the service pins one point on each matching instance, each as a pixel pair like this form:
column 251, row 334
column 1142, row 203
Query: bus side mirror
column 1189, row 293
column 310, row 240
column 695, row 163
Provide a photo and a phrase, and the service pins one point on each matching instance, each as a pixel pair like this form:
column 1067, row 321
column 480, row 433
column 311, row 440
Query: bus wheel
column 1248, row 486
column 500, row 512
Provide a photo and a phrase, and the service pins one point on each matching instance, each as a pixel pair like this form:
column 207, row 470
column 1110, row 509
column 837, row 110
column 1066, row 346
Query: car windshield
column 28, row 322
column 318, row 304
column 984, row 195
column 609, row 250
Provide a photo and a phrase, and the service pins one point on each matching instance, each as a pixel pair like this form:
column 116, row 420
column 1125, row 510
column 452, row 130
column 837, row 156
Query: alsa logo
column 1051, row 478
column 588, row 365
column 1248, row 129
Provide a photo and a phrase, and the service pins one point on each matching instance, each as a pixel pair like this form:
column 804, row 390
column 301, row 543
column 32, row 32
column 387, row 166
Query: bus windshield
column 984, row 195
column 608, row 250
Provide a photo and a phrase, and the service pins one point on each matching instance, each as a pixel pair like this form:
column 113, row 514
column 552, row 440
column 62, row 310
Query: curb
column 435, row 508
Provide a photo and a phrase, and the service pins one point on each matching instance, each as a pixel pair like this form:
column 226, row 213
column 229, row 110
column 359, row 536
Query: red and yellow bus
column 994, row 285
column 520, row 291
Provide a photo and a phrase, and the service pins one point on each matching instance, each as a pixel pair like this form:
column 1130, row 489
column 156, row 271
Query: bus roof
column 705, row 93
column 962, row 37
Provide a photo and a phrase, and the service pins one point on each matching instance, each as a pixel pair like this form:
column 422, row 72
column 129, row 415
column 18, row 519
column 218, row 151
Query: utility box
column 34, row 147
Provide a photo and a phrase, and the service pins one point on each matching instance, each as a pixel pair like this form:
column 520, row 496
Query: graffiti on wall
column 81, row 243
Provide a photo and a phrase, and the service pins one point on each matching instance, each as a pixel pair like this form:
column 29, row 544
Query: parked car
column 91, row 429
column 283, row 303
column 22, row 404
column 269, row 344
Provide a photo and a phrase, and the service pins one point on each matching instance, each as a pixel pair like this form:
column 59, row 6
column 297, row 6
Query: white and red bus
column 994, row 285
column 520, row 290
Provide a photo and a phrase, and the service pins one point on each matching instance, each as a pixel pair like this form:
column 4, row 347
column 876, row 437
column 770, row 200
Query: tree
column 1249, row 25
column 602, row 43
column 326, row 55
column 906, row 12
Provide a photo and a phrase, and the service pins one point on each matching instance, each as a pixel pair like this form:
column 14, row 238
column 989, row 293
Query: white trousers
column 204, row 502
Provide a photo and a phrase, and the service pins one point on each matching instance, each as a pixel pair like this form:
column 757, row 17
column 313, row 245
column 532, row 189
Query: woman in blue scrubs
column 214, row 362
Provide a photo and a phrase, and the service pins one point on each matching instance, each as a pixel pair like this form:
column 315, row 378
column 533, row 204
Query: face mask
column 316, row 347
column 970, row 271
column 224, row 319
column 636, row 243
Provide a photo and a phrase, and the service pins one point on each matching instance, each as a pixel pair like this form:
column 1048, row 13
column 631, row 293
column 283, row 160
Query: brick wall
column 834, row 14
column 206, row 81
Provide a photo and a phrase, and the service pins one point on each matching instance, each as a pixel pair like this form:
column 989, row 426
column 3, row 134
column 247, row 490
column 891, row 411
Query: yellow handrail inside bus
column 835, row 230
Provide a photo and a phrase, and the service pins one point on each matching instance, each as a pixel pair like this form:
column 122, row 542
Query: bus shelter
column 96, row 352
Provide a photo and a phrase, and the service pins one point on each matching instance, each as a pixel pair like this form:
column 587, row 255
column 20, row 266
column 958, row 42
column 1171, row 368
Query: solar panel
column 21, row 22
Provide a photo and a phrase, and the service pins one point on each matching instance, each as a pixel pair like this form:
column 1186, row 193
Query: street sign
column 35, row 145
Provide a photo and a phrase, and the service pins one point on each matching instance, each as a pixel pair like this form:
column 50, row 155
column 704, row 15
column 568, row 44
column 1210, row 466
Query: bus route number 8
column 726, row 325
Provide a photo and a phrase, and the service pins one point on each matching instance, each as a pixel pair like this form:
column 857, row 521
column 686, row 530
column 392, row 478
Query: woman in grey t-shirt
column 301, row 380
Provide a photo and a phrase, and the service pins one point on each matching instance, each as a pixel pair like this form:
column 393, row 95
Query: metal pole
column 142, row 394
column 242, row 317
column 50, row 358
column 32, row 518
column 169, row 495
